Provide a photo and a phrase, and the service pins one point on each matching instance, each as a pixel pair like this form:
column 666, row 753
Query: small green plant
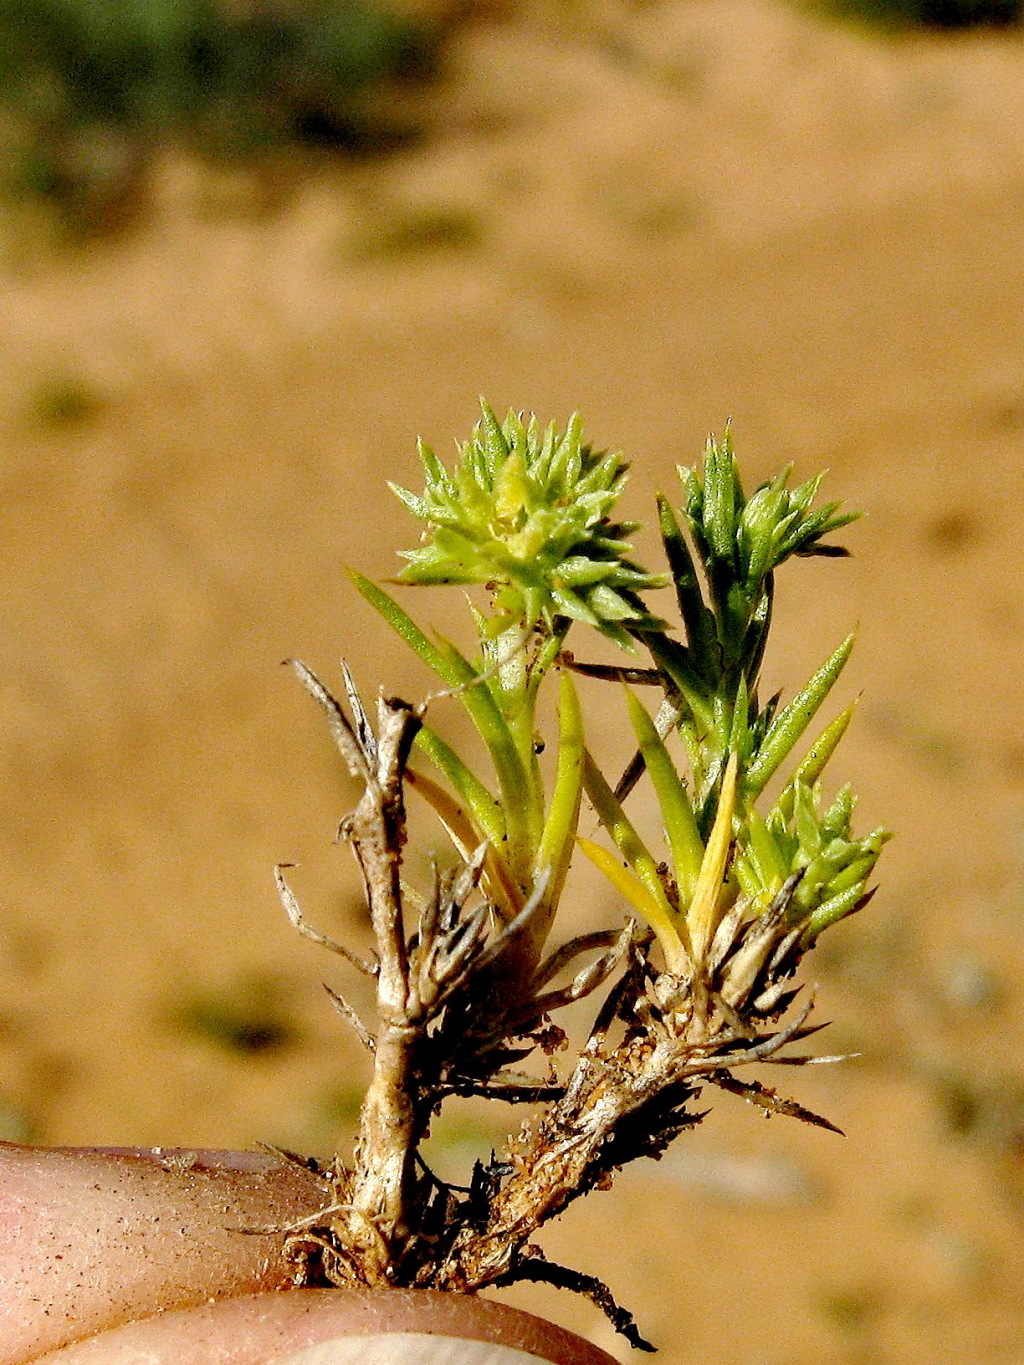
column 755, row 865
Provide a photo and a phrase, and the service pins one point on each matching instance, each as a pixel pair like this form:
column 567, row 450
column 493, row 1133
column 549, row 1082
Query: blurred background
column 248, row 251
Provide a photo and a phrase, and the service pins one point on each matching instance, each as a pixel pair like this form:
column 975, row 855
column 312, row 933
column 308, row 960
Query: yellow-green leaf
column 676, row 811
column 555, row 851
column 642, row 902
column 702, row 917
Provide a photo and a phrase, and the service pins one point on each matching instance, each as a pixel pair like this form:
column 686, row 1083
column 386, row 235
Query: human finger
column 338, row 1327
column 92, row 1239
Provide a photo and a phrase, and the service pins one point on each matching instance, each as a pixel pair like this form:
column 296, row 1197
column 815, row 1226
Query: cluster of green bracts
column 527, row 515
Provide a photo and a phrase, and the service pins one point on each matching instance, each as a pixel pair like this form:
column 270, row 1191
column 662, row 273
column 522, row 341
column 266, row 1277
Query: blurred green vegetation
column 90, row 90
column 15, row 1123
column 942, row 14
column 415, row 231
column 63, row 400
column 246, row 1018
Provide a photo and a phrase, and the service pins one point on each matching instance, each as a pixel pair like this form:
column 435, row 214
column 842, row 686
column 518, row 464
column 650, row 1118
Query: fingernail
column 407, row 1348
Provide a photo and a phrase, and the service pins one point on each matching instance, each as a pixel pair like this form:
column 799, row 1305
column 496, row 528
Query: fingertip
column 92, row 1239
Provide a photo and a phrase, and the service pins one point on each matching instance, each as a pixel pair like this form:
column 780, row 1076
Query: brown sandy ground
column 665, row 216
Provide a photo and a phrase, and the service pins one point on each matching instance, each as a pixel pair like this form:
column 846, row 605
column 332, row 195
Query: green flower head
column 528, row 514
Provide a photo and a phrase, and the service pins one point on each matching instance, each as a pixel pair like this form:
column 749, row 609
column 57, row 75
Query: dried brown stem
column 388, row 1122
